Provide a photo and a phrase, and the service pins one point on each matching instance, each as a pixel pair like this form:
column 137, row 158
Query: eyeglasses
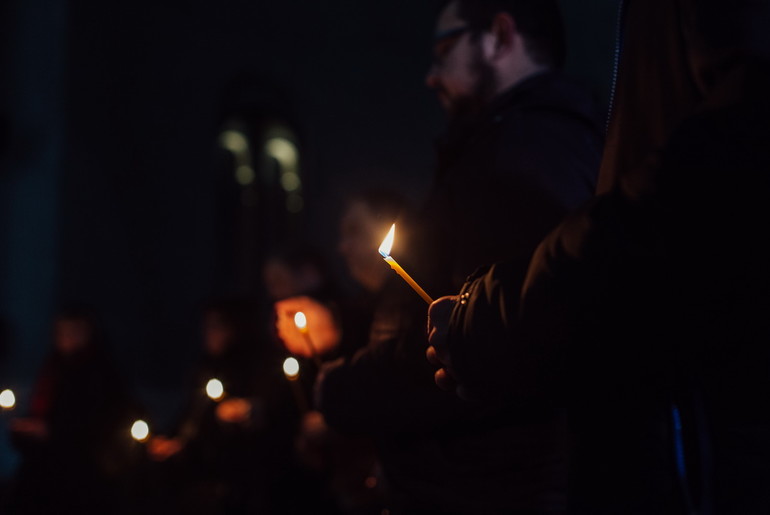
column 444, row 42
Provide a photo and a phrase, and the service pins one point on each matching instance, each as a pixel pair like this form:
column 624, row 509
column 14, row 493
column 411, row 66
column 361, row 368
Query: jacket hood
column 678, row 58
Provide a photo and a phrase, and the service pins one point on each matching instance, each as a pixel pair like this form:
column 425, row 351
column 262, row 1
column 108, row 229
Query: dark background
column 115, row 192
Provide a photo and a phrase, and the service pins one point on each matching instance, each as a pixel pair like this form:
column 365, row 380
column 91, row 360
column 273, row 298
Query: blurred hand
column 31, row 427
column 161, row 448
column 234, row 410
column 439, row 314
column 322, row 327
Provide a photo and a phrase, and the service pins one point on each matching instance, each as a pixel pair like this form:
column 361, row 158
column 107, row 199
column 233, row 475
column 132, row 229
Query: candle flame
column 140, row 431
column 300, row 320
column 387, row 243
column 215, row 389
column 291, row 368
column 7, row 399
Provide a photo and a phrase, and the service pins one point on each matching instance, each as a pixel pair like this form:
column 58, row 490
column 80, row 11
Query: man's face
column 461, row 77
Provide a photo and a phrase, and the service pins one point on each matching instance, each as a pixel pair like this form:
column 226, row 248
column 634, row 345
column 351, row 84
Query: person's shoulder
column 553, row 95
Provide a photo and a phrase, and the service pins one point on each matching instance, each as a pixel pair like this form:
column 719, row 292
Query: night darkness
column 116, row 192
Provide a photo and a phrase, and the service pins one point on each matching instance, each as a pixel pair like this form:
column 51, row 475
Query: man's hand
column 438, row 354
column 322, row 329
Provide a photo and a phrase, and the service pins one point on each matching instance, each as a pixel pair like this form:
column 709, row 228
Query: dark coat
column 519, row 168
column 643, row 312
column 505, row 179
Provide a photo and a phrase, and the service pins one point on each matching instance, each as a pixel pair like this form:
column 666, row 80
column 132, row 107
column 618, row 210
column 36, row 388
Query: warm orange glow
column 140, row 431
column 300, row 320
column 7, row 399
column 291, row 368
column 387, row 243
column 215, row 389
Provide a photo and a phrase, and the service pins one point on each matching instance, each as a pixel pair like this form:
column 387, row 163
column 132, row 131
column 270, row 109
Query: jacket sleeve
column 509, row 339
column 387, row 386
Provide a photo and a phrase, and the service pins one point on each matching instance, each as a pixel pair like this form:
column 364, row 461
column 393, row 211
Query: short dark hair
column 539, row 22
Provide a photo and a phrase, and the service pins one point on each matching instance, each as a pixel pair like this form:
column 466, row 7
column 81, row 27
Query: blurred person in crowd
column 645, row 312
column 226, row 450
column 71, row 437
column 349, row 462
column 520, row 151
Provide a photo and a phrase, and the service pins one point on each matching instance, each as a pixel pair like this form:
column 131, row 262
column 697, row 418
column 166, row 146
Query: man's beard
column 469, row 107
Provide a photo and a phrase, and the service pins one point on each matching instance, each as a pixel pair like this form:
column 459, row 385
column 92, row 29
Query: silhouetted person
column 224, row 452
column 70, row 437
column 520, row 151
column 348, row 464
column 644, row 313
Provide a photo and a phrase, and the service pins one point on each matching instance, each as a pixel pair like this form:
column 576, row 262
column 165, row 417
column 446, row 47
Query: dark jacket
column 642, row 313
column 519, row 168
column 505, row 178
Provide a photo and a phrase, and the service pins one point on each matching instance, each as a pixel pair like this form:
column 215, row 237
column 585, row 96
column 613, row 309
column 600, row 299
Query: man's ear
column 504, row 31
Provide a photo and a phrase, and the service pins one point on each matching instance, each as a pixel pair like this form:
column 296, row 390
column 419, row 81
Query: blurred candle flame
column 300, row 320
column 140, row 431
column 387, row 243
column 7, row 399
column 291, row 368
column 215, row 389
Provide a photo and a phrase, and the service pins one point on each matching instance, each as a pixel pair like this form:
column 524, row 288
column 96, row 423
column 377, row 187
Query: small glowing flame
column 291, row 368
column 300, row 320
column 387, row 243
column 140, row 431
column 215, row 389
column 7, row 399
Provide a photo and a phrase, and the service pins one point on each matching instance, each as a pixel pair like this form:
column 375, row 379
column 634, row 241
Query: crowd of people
column 597, row 345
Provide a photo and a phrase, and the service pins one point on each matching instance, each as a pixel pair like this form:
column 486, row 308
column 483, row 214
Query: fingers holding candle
column 307, row 327
column 439, row 314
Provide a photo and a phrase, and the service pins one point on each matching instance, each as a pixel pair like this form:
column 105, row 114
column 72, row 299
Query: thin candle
column 385, row 248
column 300, row 321
column 291, row 370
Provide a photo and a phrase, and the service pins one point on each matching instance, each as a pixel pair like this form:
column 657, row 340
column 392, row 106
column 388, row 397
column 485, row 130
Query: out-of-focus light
column 7, row 399
column 291, row 368
column 215, row 389
column 385, row 248
column 234, row 141
column 300, row 320
column 245, row 175
column 284, row 151
column 140, row 431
